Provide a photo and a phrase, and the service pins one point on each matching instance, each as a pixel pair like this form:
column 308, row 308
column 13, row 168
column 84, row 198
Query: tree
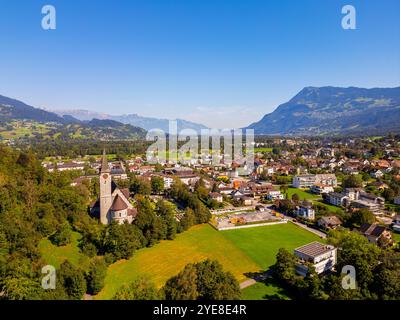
column 73, row 280
column 313, row 285
column 295, row 197
column 140, row 289
column 284, row 267
column 362, row 216
column 204, row 280
column 188, row 219
column 352, row 181
column 140, row 186
column 182, row 286
column 388, row 194
column 167, row 214
column 96, row 275
column 157, row 184
column 215, row 284
column 120, row 241
column 387, row 274
column 62, row 236
column 355, row 250
column 151, row 225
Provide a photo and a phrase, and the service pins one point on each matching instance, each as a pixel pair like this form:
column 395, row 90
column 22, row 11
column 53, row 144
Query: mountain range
column 19, row 120
column 313, row 111
column 333, row 111
column 146, row 123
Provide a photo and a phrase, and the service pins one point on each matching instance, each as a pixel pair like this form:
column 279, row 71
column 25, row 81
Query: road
column 317, row 232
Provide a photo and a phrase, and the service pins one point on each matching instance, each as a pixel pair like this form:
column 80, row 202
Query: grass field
column 396, row 237
column 54, row 255
column 261, row 244
column 303, row 194
column 168, row 258
column 328, row 206
column 264, row 291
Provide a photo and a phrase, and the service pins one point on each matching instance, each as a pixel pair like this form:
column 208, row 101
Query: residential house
column 305, row 210
column 374, row 232
column 274, row 195
column 216, row 196
column 307, row 181
column 321, row 188
column 329, row 222
column 377, row 174
column 338, row 199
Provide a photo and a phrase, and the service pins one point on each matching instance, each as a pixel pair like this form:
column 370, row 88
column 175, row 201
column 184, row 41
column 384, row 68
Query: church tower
column 105, row 191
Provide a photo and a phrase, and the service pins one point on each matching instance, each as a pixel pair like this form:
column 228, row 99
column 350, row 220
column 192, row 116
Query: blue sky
column 224, row 63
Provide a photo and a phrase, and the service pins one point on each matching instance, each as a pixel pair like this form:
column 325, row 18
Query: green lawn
column 396, row 236
column 328, row 206
column 262, row 243
column 168, row 258
column 303, row 194
column 54, row 255
column 265, row 291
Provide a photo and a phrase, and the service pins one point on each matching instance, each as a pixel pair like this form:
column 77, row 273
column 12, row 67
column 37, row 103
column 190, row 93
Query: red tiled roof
column 118, row 204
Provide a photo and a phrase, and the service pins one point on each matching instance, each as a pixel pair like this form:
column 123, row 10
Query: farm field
column 261, row 244
column 168, row 258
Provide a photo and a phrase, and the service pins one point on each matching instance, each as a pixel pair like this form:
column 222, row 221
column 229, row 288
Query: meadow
column 168, row 258
column 55, row 256
column 241, row 251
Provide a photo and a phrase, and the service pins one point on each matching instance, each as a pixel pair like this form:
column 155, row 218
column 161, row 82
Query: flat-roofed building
column 308, row 180
column 321, row 256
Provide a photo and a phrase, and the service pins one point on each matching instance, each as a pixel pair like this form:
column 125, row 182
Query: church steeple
column 104, row 163
column 105, row 191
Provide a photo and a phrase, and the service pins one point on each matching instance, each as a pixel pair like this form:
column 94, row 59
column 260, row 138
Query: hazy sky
column 221, row 63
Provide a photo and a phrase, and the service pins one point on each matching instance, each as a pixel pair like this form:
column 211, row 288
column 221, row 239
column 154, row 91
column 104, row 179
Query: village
column 322, row 187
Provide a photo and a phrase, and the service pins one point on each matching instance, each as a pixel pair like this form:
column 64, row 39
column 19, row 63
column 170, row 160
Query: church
column 113, row 203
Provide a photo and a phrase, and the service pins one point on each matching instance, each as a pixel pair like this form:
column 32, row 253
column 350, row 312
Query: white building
column 274, row 195
column 322, row 257
column 308, row 180
column 305, row 211
column 320, row 188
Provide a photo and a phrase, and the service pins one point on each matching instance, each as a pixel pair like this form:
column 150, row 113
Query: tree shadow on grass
column 266, row 277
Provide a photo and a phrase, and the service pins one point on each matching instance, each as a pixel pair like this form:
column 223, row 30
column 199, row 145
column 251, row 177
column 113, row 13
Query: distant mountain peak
column 334, row 110
column 134, row 119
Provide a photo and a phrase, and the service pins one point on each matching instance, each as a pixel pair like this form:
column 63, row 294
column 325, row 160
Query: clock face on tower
column 105, row 176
